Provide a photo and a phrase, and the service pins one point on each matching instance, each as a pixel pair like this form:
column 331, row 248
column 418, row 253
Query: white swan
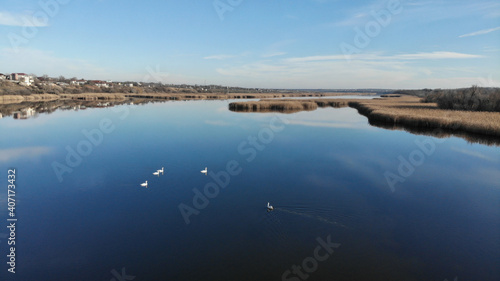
column 161, row 171
column 145, row 184
column 269, row 207
column 204, row 171
column 157, row 173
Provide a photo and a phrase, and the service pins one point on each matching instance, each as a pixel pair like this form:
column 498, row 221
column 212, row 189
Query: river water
column 351, row 201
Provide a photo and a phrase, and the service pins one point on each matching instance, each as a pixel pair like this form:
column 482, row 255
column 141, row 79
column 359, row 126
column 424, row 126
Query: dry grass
column 161, row 96
column 409, row 111
column 285, row 106
column 403, row 111
column 8, row 99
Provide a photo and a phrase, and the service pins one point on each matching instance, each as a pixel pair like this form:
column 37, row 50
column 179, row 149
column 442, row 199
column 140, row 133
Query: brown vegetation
column 470, row 99
column 405, row 111
column 5, row 99
column 409, row 111
column 158, row 96
column 285, row 106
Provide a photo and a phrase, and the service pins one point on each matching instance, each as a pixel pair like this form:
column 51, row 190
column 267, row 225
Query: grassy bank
column 4, row 99
column 7, row 99
column 403, row 111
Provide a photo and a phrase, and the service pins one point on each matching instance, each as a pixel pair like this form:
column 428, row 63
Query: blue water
column 323, row 171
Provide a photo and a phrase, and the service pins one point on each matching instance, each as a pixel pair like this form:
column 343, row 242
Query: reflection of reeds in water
column 410, row 112
column 398, row 113
column 439, row 133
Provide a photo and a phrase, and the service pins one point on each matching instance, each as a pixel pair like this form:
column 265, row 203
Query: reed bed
column 7, row 99
column 270, row 105
column 409, row 111
column 404, row 111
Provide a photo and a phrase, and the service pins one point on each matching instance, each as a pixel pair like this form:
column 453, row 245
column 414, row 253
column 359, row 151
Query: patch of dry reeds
column 272, row 105
column 404, row 111
column 7, row 99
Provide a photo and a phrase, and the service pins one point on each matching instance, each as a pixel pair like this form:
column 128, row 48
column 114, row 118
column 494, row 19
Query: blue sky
column 271, row 44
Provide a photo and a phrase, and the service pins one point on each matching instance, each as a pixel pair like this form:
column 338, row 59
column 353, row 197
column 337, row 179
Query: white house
column 78, row 82
column 23, row 78
column 26, row 80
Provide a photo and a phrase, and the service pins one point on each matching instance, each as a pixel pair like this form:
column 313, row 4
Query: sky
column 306, row 44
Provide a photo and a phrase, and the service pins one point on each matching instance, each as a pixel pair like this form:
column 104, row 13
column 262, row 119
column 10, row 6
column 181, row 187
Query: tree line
column 471, row 99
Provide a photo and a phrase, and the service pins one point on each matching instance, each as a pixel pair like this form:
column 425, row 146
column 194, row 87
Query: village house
column 78, row 82
column 2, row 76
column 23, row 78
column 99, row 83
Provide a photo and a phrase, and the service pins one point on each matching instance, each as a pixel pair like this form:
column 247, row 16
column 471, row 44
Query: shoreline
column 394, row 112
column 405, row 112
column 9, row 99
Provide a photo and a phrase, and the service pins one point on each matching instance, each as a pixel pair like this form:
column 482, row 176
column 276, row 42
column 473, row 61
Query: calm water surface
column 323, row 171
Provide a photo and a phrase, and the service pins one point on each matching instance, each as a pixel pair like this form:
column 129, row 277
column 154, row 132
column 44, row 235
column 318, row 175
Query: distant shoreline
column 9, row 99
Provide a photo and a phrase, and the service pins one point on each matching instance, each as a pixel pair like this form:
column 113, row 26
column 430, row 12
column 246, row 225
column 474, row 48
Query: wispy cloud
column 316, row 58
column 13, row 19
column 480, row 32
column 41, row 62
column 370, row 70
column 274, row 54
column 437, row 55
column 9, row 155
column 476, row 154
column 328, row 124
column 415, row 56
column 219, row 57
column 218, row 122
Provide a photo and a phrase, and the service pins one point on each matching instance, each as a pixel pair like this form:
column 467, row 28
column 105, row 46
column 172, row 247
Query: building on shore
column 22, row 78
column 24, row 113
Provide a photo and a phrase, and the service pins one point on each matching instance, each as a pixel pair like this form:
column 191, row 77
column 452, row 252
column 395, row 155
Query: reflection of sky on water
column 324, row 174
column 13, row 154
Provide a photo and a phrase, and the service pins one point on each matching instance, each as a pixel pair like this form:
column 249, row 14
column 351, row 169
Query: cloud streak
column 9, row 155
column 480, row 32
column 363, row 70
column 415, row 56
column 219, row 57
column 12, row 19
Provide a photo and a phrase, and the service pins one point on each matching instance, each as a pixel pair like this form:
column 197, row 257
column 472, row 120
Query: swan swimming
column 145, row 184
column 269, row 207
column 157, row 173
column 204, row 171
column 161, row 171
